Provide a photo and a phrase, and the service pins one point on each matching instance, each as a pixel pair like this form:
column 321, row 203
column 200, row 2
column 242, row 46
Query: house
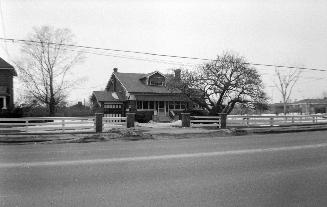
column 145, row 94
column 304, row 106
column 310, row 106
column 7, row 72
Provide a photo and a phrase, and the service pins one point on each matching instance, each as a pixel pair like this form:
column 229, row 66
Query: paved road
column 260, row 170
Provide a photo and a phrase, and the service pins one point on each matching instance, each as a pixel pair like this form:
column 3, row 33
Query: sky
column 287, row 32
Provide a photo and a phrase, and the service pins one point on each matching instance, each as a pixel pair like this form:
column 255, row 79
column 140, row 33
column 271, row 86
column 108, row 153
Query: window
column 145, row 104
column 178, row 105
column 112, row 106
column 171, row 105
column 151, row 104
column 183, row 105
column 156, row 83
column 161, row 104
column 139, row 105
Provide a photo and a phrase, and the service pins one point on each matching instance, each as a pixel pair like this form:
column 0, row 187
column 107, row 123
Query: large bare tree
column 286, row 81
column 45, row 64
column 222, row 83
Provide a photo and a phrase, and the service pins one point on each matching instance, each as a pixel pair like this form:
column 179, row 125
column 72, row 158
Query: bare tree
column 286, row 82
column 45, row 64
column 221, row 84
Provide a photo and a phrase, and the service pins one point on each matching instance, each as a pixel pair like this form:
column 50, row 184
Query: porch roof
column 172, row 97
column 108, row 96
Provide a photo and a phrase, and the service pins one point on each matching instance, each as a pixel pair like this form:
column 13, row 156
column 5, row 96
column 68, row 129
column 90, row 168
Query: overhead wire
column 132, row 57
column 3, row 29
column 157, row 54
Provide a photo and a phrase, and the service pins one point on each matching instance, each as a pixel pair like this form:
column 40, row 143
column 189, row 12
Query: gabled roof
column 108, row 96
column 154, row 72
column 6, row 66
column 133, row 84
column 312, row 101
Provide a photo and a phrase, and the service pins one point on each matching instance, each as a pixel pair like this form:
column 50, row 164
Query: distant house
column 305, row 106
column 144, row 94
column 7, row 72
column 310, row 106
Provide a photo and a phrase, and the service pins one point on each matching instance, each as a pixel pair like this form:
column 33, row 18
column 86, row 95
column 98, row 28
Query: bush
column 15, row 113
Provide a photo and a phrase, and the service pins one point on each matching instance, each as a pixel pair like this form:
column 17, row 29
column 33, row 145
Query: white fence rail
column 113, row 122
column 46, row 124
column 258, row 120
column 56, row 124
column 200, row 121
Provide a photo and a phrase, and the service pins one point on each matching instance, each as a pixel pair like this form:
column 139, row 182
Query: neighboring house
column 305, row 106
column 310, row 106
column 7, row 72
column 144, row 94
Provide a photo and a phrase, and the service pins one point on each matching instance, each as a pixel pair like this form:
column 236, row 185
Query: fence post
column 313, row 119
column 223, row 120
column 26, row 125
column 130, row 120
column 98, row 122
column 63, row 125
column 186, row 119
column 271, row 121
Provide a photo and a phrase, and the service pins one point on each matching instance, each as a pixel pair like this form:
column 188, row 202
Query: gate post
column 223, row 120
column 98, row 122
column 186, row 119
column 130, row 120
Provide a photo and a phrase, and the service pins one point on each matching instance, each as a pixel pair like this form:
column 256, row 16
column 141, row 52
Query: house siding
column 6, row 80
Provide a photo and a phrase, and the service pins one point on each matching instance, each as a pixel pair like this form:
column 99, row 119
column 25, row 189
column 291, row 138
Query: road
column 258, row 170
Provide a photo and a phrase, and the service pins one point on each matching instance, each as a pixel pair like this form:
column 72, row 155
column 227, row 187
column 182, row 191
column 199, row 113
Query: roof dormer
column 154, row 79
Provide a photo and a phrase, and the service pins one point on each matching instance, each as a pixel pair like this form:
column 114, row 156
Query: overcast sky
column 289, row 32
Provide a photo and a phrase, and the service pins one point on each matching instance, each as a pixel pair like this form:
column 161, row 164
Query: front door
column 1, row 103
column 161, row 108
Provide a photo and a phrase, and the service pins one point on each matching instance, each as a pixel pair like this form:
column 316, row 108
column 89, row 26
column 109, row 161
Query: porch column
column 4, row 105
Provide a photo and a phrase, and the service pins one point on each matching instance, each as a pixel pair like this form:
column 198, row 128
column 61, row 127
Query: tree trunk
column 285, row 108
column 52, row 103
column 52, row 107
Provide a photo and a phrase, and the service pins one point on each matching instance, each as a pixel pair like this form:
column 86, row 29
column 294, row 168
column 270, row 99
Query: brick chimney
column 115, row 70
column 178, row 74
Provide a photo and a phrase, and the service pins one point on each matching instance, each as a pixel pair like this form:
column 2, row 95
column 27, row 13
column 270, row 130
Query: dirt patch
column 113, row 134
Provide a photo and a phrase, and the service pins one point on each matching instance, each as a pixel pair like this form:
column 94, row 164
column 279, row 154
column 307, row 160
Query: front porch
column 161, row 111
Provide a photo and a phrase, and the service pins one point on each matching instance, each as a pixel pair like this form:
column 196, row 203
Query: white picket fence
column 200, row 121
column 259, row 120
column 56, row 124
column 113, row 122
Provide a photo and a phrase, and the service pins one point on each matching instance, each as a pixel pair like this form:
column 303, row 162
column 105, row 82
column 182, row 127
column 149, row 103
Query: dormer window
column 156, row 83
column 156, row 79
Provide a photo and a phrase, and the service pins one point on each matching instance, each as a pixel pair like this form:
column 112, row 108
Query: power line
column 107, row 49
column 155, row 54
column 3, row 28
column 132, row 57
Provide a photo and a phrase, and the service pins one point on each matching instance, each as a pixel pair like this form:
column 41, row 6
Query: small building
column 310, row 106
column 145, row 94
column 304, row 106
column 7, row 72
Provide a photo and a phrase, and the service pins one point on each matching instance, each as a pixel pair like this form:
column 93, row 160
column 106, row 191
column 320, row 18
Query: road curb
column 276, row 130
